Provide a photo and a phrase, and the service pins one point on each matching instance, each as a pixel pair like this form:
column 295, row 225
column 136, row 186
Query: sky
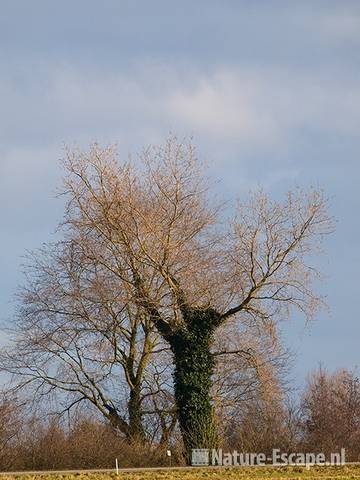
column 269, row 91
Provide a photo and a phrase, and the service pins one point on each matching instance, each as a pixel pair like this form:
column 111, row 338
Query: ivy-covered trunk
column 194, row 367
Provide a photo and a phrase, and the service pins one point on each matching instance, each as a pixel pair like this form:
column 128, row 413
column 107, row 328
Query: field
column 265, row 473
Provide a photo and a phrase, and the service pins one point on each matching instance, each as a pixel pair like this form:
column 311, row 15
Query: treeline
column 325, row 418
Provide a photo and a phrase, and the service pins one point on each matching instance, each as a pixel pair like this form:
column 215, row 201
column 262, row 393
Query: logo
column 200, row 457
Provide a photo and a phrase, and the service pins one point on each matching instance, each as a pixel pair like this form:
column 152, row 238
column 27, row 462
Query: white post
column 168, row 453
column 117, row 466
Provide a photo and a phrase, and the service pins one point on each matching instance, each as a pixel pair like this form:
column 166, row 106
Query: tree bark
column 133, row 429
column 136, row 429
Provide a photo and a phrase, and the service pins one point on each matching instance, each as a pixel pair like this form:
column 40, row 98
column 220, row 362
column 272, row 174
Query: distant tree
column 259, row 419
column 177, row 263
column 10, row 428
column 330, row 413
column 249, row 386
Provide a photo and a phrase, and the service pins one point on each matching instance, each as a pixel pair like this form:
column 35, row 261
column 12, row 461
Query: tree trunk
column 136, row 429
column 194, row 367
column 133, row 429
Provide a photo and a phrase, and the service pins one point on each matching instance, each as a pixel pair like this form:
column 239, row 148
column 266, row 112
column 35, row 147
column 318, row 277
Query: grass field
column 323, row 473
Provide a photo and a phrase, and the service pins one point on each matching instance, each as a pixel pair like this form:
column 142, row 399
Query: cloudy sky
column 270, row 91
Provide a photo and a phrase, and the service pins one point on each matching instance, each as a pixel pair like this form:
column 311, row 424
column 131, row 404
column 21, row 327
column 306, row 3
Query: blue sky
column 270, row 91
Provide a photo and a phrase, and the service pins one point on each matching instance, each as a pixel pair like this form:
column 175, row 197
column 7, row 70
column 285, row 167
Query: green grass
column 266, row 473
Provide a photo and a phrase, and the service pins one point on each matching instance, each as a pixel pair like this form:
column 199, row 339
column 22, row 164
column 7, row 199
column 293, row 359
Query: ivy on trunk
column 194, row 367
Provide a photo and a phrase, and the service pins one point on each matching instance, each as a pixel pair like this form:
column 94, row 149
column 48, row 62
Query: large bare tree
column 77, row 335
column 179, row 263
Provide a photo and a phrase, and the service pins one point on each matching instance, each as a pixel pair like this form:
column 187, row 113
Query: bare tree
column 330, row 412
column 76, row 334
column 249, row 387
column 177, row 261
column 10, row 426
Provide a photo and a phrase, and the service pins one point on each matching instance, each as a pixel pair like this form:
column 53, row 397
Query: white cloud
column 255, row 109
column 224, row 105
column 266, row 109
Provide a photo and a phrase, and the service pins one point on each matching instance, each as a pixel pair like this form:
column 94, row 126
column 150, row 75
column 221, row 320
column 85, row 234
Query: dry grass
column 323, row 473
